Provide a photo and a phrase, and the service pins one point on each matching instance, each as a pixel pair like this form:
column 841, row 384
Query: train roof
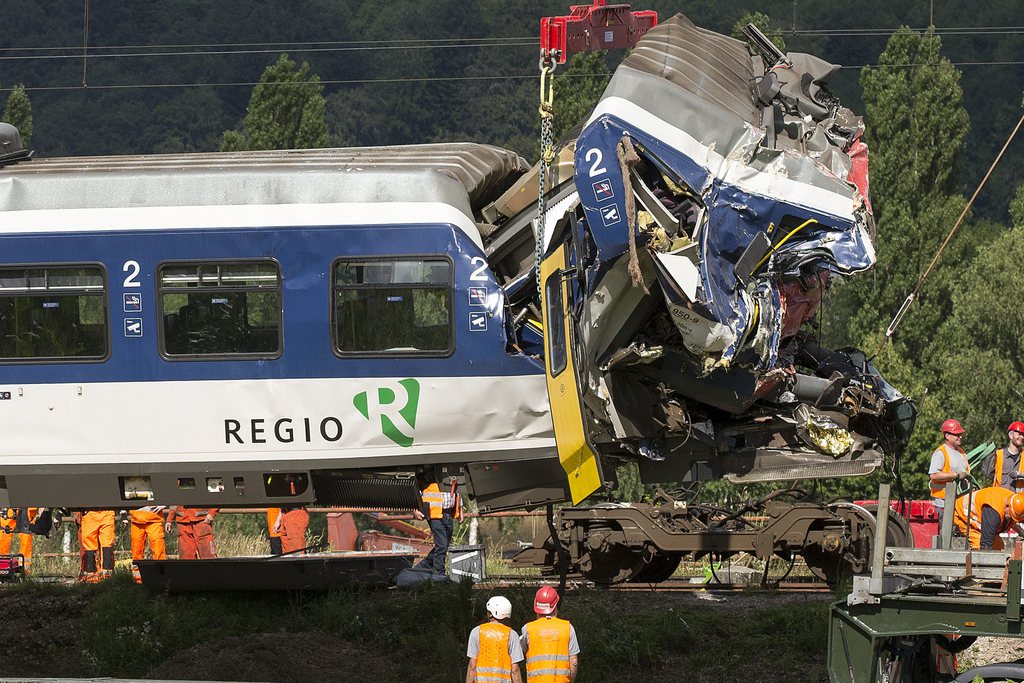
column 466, row 176
column 710, row 86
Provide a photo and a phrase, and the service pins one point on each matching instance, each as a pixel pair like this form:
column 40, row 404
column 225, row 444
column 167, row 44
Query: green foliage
column 764, row 23
column 18, row 113
column 286, row 111
column 984, row 352
column 121, row 630
column 578, row 89
column 629, row 487
column 915, row 127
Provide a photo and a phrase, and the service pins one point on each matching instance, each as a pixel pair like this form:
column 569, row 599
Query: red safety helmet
column 547, row 599
column 1017, row 426
column 952, row 427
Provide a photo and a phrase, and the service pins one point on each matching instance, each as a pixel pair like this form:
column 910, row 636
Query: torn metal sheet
column 717, row 196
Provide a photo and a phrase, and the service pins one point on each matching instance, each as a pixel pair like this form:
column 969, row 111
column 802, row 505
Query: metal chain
column 547, row 155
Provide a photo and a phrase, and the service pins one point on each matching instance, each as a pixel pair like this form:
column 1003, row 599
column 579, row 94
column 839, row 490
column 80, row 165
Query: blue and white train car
column 265, row 327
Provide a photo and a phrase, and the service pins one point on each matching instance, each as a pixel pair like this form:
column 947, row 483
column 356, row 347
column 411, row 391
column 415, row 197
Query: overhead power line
column 206, row 53
column 430, row 79
column 215, row 49
column 871, row 31
column 283, row 45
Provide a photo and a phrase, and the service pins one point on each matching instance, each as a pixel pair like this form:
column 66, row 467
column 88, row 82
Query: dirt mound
column 34, row 623
column 275, row 658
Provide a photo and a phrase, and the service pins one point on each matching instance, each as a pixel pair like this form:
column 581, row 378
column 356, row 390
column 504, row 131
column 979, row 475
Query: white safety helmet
column 499, row 607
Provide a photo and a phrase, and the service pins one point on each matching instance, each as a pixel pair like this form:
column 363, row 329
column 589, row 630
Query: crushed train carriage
column 314, row 325
column 713, row 198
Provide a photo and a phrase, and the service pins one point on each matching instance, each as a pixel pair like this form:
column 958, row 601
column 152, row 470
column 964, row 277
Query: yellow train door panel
column 577, row 457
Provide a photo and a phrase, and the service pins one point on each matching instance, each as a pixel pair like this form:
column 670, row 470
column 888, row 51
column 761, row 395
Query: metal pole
column 947, row 517
column 878, row 542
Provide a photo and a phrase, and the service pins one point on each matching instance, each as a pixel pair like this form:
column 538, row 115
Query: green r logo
column 391, row 411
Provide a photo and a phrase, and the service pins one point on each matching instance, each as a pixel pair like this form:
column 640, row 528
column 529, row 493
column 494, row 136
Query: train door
column 576, row 455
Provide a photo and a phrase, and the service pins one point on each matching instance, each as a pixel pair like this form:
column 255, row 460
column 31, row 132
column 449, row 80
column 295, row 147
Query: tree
column 19, row 113
column 286, row 111
column 983, row 353
column 578, row 90
column 916, row 126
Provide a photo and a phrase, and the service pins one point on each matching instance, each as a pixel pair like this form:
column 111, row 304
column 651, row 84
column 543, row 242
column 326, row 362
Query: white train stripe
column 280, row 419
column 286, row 216
column 729, row 171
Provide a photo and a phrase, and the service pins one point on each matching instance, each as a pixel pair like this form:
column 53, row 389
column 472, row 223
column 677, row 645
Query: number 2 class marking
column 595, row 169
column 133, row 269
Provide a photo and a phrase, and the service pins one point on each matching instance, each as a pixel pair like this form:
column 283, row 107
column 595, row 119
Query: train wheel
column 828, row 567
column 613, row 565
column 606, row 559
column 658, row 569
column 899, row 534
column 837, row 569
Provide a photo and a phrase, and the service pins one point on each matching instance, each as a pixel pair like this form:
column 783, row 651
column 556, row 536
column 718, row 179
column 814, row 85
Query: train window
column 220, row 309
column 393, row 307
column 53, row 313
column 557, row 348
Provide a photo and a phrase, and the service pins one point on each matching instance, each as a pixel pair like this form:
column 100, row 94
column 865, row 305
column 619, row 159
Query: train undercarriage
column 611, row 543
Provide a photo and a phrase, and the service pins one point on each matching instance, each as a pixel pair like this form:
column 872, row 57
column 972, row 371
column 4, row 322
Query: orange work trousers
column 293, row 530
column 195, row 541
column 154, row 533
column 275, row 536
column 98, row 538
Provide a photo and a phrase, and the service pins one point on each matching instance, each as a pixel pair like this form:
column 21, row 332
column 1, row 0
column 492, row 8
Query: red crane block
column 593, row 27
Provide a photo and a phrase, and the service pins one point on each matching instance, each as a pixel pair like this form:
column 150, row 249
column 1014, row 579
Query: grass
column 119, row 629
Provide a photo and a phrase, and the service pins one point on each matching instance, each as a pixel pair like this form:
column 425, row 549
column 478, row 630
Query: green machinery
column 906, row 621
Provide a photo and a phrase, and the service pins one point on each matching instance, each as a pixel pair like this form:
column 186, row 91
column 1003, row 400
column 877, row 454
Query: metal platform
column 908, row 619
column 318, row 572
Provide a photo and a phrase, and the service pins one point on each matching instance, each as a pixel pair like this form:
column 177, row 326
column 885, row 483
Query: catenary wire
column 220, row 49
column 429, row 79
column 214, row 53
column 496, row 41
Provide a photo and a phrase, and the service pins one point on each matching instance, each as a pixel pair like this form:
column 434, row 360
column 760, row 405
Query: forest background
column 108, row 77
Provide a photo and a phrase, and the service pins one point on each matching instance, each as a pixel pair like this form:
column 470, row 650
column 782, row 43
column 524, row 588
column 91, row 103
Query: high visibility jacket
column 272, row 515
column 147, row 515
column 547, row 655
column 970, row 505
column 940, row 490
column 997, row 471
column 185, row 515
column 434, row 499
column 494, row 664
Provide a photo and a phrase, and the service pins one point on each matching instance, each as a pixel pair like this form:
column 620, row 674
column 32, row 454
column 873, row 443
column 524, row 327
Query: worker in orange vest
column 552, row 651
column 14, row 521
column 948, row 463
column 273, row 530
column 195, row 531
column 98, row 536
column 147, row 524
column 982, row 515
column 291, row 525
column 1005, row 467
column 440, row 509
column 494, row 649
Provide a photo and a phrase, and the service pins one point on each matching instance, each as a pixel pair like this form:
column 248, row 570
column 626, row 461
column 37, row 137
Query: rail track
column 675, row 584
